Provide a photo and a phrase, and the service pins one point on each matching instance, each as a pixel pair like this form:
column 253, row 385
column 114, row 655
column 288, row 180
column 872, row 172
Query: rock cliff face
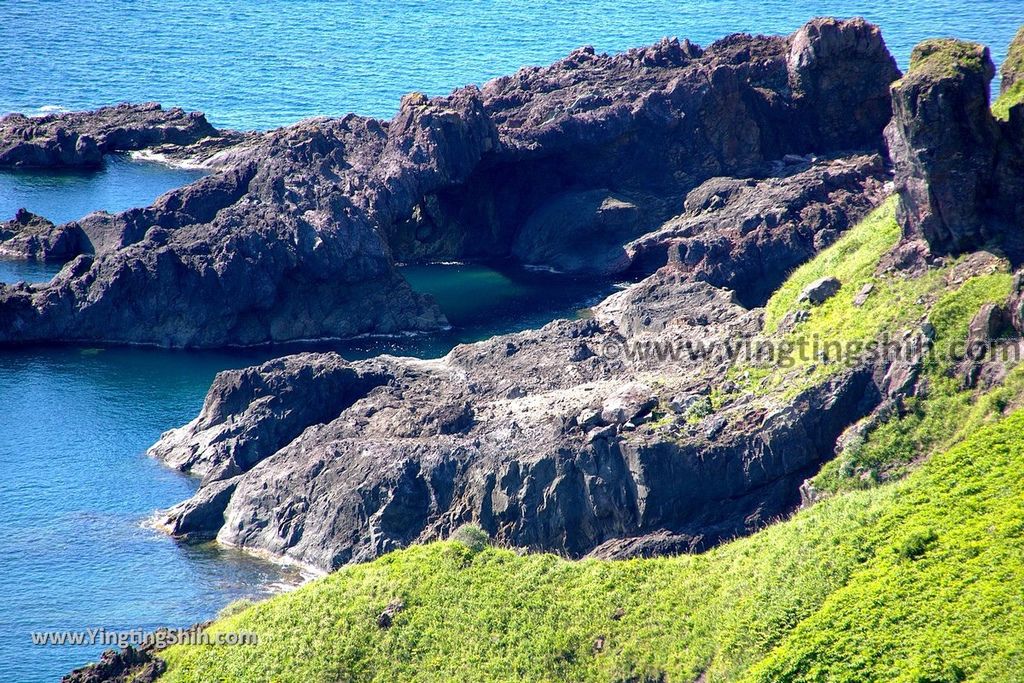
column 959, row 170
column 747, row 234
column 591, row 436
column 567, row 439
column 296, row 235
column 1012, row 71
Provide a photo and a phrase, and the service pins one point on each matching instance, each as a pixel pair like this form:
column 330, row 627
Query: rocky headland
column 588, row 437
column 296, row 233
column 707, row 175
column 572, row 438
column 81, row 139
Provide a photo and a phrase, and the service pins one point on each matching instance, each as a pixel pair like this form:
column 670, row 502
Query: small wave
column 186, row 163
column 49, row 109
column 402, row 264
column 536, row 268
column 156, row 522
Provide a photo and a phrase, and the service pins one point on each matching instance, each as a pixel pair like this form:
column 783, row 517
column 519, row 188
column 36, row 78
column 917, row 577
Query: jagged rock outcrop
column 747, row 234
column 565, row 438
column 569, row 438
column 251, row 413
column 80, row 139
column 136, row 664
column 129, row 665
column 959, row 170
column 296, row 236
column 33, row 238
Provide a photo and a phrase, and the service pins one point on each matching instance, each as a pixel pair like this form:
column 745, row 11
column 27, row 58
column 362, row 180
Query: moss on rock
column 948, row 57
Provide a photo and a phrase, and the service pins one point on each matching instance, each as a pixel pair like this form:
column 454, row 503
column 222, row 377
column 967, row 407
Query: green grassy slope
column 922, row 580
column 917, row 580
column 1012, row 97
column 1014, row 63
column 896, row 304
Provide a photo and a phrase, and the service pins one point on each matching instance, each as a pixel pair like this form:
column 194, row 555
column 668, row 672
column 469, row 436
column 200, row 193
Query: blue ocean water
column 63, row 196
column 270, row 63
column 75, row 485
column 77, row 490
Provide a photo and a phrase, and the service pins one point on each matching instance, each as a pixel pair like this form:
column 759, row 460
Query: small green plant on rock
column 472, row 536
column 700, row 409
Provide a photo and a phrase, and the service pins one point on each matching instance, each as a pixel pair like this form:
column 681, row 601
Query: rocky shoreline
column 568, row 438
column 544, row 437
column 705, row 175
column 81, row 139
column 296, row 234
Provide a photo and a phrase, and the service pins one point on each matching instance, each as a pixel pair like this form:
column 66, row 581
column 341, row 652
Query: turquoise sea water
column 75, row 486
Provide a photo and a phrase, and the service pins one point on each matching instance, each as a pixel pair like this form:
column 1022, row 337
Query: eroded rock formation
column 1012, row 70
column 959, row 170
column 569, row 438
column 555, row 439
column 296, row 236
column 33, row 238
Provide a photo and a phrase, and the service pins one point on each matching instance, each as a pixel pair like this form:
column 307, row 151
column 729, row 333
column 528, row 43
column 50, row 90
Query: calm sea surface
column 270, row 63
column 76, row 488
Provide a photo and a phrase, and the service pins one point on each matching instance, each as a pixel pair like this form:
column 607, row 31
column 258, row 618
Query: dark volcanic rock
column 564, row 438
column 580, row 232
column 296, row 236
column 747, row 234
column 1015, row 304
column 136, row 664
column 34, row 238
column 129, row 665
column 820, row 291
column 544, row 448
column 249, row 414
column 959, row 171
column 80, row 139
column 942, row 140
column 826, row 58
